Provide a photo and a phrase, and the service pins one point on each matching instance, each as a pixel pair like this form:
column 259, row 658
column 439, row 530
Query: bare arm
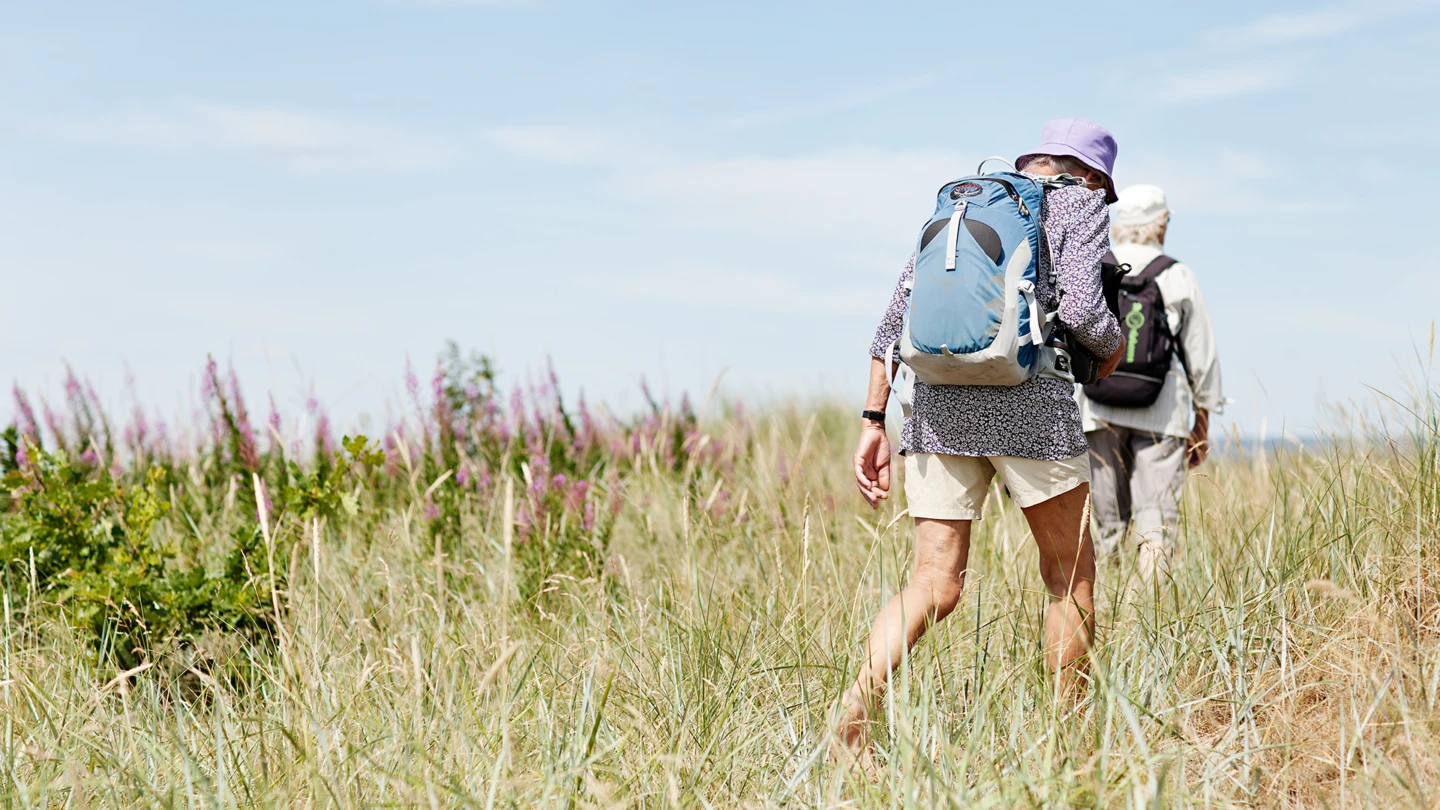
column 1198, row 447
column 872, row 454
column 878, row 393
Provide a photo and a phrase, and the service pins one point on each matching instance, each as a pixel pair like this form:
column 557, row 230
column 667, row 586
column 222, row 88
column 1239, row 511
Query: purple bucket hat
column 1082, row 139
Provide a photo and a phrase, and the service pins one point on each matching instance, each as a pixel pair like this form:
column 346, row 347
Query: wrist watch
column 873, row 416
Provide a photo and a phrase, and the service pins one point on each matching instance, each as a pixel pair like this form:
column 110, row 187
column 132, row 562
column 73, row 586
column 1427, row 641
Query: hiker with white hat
column 988, row 317
column 1150, row 420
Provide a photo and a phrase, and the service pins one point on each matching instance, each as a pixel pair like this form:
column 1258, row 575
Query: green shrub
column 82, row 540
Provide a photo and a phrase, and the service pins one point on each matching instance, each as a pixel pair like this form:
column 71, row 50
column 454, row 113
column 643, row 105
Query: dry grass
column 1292, row 659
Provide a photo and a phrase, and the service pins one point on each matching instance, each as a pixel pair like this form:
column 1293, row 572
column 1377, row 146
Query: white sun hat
column 1139, row 205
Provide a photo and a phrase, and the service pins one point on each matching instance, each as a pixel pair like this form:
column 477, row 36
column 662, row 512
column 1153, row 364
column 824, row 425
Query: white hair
column 1146, row 233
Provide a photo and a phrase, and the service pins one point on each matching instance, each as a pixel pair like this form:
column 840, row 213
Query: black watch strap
column 873, row 416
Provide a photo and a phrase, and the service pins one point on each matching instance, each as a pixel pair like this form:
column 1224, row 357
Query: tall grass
column 1290, row 659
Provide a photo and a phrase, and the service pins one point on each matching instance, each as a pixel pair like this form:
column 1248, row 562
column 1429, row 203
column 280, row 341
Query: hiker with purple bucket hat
column 1024, row 427
column 1081, row 140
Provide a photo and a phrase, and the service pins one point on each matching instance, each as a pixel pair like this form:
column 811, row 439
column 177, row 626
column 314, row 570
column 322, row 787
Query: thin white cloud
column 848, row 101
column 1285, row 27
column 222, row 251
column 711, row 287
column 1350, row 321
column 1246, row 165
column 442, row 4
column 1291, row 26
column 294, row 139
column 309, row 141
column 1226, row 183
column 1278, row 41
column 1227, row 81
column 556, row 144
column 855, row 191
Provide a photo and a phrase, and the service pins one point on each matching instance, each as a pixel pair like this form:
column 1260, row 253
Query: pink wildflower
column 26, row 423
column 539, row 476
column 210, row 383
column 412, row 383
column 324, row 438
column 72, row 385
column 245, row 435
column 53, row 422
column 139, row 428
column 575, row 496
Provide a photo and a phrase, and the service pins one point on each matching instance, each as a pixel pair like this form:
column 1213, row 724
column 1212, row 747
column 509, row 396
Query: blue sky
column 315, row 191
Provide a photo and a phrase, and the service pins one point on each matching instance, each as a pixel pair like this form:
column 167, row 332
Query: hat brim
column 1135, row 223
column 1063, row 149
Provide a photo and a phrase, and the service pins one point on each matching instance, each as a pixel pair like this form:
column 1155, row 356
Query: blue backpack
column 972, row 316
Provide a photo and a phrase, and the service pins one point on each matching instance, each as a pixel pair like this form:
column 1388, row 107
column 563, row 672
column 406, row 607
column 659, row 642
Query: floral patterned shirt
column 1038, row 418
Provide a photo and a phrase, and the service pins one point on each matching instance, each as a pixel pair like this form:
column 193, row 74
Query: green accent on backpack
column 1134, row 319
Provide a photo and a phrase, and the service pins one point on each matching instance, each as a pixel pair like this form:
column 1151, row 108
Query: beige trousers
column 1136, row 478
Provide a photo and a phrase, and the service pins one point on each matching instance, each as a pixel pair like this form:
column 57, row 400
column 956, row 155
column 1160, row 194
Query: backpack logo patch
column 965, row 190
column 1134, row 319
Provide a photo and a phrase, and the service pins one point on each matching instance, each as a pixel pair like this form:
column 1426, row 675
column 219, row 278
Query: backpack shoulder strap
column 1156, row 266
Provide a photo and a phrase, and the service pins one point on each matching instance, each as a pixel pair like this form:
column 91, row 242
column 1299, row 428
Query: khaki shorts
column 946, row 487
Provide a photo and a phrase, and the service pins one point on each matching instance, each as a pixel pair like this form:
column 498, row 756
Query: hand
column 872, row 464
column 1108, row 366
column 1197, row 444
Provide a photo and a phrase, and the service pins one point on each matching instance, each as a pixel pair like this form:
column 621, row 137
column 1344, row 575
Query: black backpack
column 1149, row 344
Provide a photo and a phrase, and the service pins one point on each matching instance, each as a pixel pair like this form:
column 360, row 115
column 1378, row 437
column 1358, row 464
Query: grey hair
column 1061, row 164
column 1146, row 233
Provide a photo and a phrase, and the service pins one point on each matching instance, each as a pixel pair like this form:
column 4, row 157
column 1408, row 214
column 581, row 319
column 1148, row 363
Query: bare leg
column 1067, row 565
column 942, row 548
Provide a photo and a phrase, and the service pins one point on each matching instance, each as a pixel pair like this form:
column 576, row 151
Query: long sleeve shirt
column 1039, row 418
column 1170, row 415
